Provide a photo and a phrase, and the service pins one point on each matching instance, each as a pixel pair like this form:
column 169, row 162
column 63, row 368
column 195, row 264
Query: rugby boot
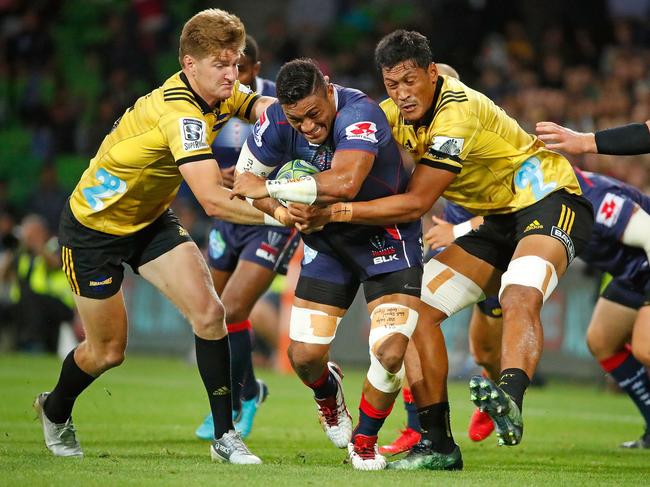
column 364, row 454
column 205, row 431
column 230, row 448
column 60, row 438
column 643, row 442
column 480, row 426
column 333, row 413
column 423, row 457
column 407, row 439
column 505, row 414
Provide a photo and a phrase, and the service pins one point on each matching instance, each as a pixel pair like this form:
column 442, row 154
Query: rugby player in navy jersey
column 243, row 261
column 346, row 135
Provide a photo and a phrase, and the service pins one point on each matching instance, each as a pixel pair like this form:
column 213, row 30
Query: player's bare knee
column 599, row 345
column 208, row 322
column 391, row 351
column 304, row 358
column 521, row 299
column 486, row 355
column 108, row 355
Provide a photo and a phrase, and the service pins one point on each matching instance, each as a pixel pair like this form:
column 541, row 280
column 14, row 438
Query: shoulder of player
column 177, row 97
column 453, row 101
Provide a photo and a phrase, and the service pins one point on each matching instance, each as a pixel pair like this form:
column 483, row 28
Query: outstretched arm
column 426, row 185
column 204, row 179
column 629, row 139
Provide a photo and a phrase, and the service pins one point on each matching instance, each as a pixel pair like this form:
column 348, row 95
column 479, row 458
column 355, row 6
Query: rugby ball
column 295, row 169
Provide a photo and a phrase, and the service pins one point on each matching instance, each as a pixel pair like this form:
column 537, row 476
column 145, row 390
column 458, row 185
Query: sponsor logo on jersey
column 101, row 282
column 245, row 89
column 382, row 251
column 451, row 146
column 534, row 225
column 193, row 134
column 216, row 244
column 362, row 131
column 309, row 255
column 260, row 127
column 610, row 209
column 563, row 237
column 269, row 251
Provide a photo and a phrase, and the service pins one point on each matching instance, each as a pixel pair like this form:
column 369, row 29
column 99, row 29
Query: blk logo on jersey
column 362, row 131
column 382, row 252
column 609, row 210
column 193, row 134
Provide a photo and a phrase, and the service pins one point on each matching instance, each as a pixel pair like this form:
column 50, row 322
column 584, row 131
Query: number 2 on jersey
column 530, row 174
column 110, row 186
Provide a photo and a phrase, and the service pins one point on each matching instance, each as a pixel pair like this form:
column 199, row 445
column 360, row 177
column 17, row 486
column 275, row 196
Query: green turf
column 136, row 426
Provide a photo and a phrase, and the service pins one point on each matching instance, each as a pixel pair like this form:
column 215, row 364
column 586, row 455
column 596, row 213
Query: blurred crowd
column 68, row 69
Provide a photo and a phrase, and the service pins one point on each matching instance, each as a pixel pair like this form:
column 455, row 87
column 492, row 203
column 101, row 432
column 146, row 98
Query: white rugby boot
column 364, row 454
column 60, row 439
column 333, row 413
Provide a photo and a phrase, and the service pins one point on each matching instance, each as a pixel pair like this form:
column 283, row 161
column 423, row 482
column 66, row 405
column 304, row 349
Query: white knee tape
column 531, row 271
column 312, row 326
column 383, row 380
column 385, row 320
column 389, row 318
column 447, row 290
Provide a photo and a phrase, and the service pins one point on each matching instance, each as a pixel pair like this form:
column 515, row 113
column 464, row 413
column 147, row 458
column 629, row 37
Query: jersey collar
column 205, row 108
column 426, row 120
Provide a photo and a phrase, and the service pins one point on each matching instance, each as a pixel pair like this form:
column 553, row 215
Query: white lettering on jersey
column 193, row 134
column 362, row 131
column 609, row 210
column 448, row 145
column 260, row 126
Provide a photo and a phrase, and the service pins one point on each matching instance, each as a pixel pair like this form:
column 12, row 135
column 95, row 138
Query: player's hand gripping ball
column 295, row 169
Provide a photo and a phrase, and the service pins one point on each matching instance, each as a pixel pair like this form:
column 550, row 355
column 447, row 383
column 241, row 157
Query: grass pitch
column 137, row 423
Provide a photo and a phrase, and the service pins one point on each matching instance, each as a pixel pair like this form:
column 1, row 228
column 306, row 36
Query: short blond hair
column 209, row 32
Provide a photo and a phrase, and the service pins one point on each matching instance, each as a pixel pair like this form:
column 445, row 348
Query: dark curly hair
column 298, row 79
column 403, row 45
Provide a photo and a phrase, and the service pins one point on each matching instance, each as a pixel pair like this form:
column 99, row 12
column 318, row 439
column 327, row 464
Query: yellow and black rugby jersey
column 501, row 168
column 134, row 176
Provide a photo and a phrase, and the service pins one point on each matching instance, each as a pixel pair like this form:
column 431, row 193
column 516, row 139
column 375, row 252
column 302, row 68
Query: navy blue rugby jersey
column 227, row 146
column 359, row 125
column 613, row 203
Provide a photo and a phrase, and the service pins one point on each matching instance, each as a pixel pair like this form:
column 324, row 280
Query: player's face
column 313, row 116
column 213, row 77
column 411, row 88
column 247, row 71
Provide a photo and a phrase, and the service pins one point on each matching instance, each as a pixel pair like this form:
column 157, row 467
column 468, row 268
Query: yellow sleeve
column 451, row 139
column 240, row 104
column 186, row 132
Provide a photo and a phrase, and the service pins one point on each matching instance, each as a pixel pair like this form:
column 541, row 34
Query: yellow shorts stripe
column 559, row 222
column 73, row 277
column 570, row 224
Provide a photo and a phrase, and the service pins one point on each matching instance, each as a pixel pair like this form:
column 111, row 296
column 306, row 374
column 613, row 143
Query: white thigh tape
column 531, row 271
column 312, row 326
column 447, row 290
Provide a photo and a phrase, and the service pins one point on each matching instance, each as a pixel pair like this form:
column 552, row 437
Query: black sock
column 213, row 360
column 435, row 426
column 514, row 382
column 72, row 382
column 241, row 366
column 412, row 420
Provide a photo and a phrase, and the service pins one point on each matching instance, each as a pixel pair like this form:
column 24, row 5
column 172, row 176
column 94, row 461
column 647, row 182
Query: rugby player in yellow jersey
column 469, row 150
column 119, row 213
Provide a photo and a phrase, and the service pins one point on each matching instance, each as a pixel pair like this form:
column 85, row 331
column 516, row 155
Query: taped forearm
column 303, row 190
column 626, row 140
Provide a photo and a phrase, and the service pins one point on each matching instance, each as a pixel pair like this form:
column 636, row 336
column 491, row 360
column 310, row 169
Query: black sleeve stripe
column 219, row 124
column 197, row 157
column 169, row 91
column 449, row 101
column 249, row 109
column 183, row 98
column 443, row 155
column 440, row 165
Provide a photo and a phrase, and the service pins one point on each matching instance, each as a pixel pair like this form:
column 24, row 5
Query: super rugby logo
column 193, row 134
column 260, row 127
column 362, row 131
column 446, row 147
column 382, row 251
